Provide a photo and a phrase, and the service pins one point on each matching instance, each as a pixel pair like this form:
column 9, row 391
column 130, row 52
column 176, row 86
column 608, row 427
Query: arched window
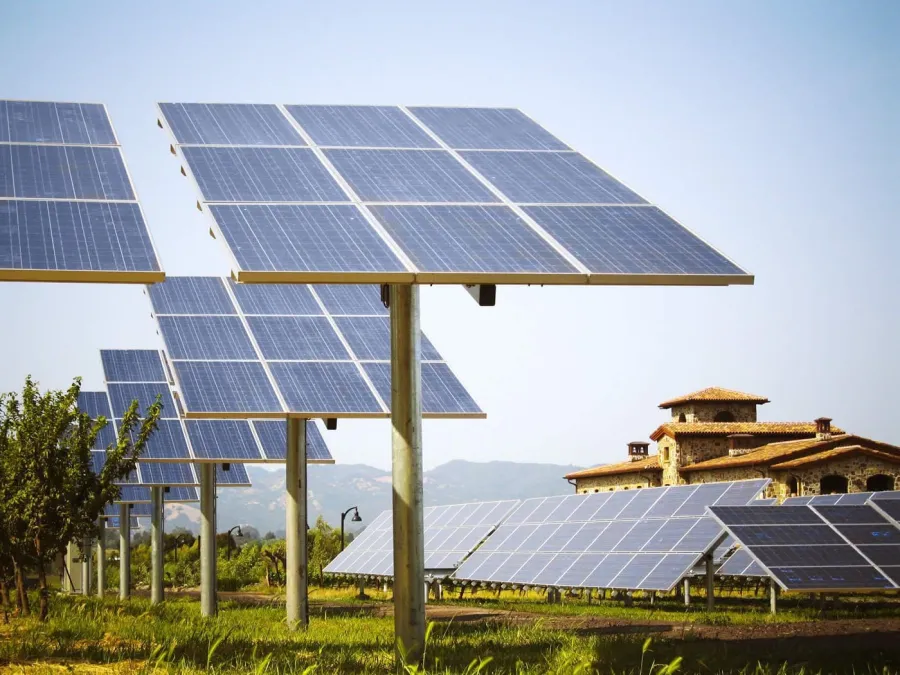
column 793, row 487
column 879, row 483
column 682, row 418
column 723, row 416
column 833, row 485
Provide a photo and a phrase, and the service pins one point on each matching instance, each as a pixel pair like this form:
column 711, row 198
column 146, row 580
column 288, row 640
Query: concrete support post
column 652, row 598
column 384, row 587
column 295, row 529
column 710, row 584
column 587, row 595
column 86, row 566
column 157, row 523
column 124, row 551
column 406, row 422
column 101, row 558
column 361, row 588
column 208, row 586
column 687, row 592
column 427, row 591
column 68, row 578
column 773, row 596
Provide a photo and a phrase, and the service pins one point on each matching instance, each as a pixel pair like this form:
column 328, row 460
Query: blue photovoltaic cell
column 141, row 509
column 63, row 172
column 293, row 299
column 226, row 387
column 302, row 338
column 550, row 177
column 222, row 440
column 132, row 365
column 105, row 437
column 134, row 494
column 442, row 392
column 334, row 238
column 235, row 476
column 191, row 295
column 94, row 403
column 890, row 507
column 360, row 126
column 121, row 396
column 167, row 473
column 48, row 122
column 487, row 128
column 474, row 239
column 351, row 299
column 166, row 443
column 244, row 174
column 324, row 387
column 273, row 437
column 886, row 495
column 78, row 236
column 630, row 240
column 408, row 176
column 229, row 124
column 113, row 523
column 370, row 338
column 206, row 338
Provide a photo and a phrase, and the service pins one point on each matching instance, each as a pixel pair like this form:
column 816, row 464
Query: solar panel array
column 363, row 194
column 451, row 533
column 138, row 494
column 231, row 441
column 846, row 499
column 114, row 523
column 645, row 539
column 68, row 210
column 245, row 351
column 818, row 548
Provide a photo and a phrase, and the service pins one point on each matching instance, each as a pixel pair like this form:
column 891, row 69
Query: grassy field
column 90, row 635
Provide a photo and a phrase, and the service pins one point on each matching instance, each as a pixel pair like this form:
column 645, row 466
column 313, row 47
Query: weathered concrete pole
column 406, row 422
column 124, row 551
column 68, row 581
column 710, row 584
column 86, row 566
column 208, row 585
column 773, row 596
column 157, row 518
column 687, row 592
column 295, row 526
column 101, row 558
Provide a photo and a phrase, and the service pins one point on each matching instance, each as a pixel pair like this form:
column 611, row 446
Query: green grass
column 173, row 637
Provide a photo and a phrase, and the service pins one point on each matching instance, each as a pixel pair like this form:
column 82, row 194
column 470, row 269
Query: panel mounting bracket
column 386, row 295
column 331, row 423
column 485, row 294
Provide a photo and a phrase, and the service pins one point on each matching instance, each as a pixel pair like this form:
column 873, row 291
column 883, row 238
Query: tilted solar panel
column 645, row 539
column 451, row 533
column 429, row 195
column 265, row 351
column 68, row 210
column 848, row 499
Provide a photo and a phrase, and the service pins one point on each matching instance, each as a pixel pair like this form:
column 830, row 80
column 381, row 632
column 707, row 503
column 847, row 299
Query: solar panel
column 113, row 522
column 272, row 436
column 276, row 349
column 388, row 194
column 847, row 499
column 451, row 533
column 53, row 156
column 135, row 494
column 132, row 365
column 167, row 473
column 816, row 548
column 94, row 403
column 234, row 476
column 645, row 539
column 741, row 564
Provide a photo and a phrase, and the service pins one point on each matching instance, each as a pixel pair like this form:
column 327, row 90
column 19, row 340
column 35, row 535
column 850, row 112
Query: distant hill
column 334, row 489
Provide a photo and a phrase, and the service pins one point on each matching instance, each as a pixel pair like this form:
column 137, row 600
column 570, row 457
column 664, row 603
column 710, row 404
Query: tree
column 52, row 494
column 326, row 544
column 269, row 536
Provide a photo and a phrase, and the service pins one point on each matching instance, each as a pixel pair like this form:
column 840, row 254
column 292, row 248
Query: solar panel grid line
column 584, row 273
column 891, row 513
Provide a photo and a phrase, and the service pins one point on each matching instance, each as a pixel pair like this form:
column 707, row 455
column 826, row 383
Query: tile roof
column 837, row 453
column 649, row 463
column 714, row 395
column 674, row 429
column 777, row 453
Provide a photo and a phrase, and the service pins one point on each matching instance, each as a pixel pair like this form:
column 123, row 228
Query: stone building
column 714, row 435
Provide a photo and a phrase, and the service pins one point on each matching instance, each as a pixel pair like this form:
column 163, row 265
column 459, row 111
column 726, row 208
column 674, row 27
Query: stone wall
column 706, row 412
column 776, row 488
column 667, row 450
column 856, row 469
column 630, row 481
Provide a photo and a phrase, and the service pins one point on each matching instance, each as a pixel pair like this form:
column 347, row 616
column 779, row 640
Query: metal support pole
column 687, row 592
column 295, row 530
column 773, row 596
column 124, row 551
column 406, row 422
column 208, row 539
column 101, row 558
column 157, row 522
column 710, row 584
column 86, row 566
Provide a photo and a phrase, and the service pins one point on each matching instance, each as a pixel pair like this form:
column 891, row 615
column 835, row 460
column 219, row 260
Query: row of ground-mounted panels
column 140, row 374
column 451, row 533
column 68, row 210
column 818, row 548
column 645, row 539
column 356, row 194
column 240, row 350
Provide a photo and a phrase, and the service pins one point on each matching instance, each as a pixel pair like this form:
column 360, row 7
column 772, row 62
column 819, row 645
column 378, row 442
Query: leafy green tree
column 55, row 496
column 325, row 545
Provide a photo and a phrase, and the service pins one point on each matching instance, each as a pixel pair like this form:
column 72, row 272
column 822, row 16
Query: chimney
column 740, row 444
column 823, row 429
column 638, row 450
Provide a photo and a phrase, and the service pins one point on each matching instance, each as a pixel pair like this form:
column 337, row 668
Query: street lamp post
column 239, row 533
column 354, row 519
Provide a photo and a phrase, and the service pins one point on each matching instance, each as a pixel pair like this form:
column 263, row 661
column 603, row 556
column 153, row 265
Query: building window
column 879, row 483
column 723, row 416
column 666, row 453
column 833, row 485
column 682, row 418
column 793, row 487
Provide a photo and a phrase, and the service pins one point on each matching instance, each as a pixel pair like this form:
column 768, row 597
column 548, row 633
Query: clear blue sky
column 772, row 129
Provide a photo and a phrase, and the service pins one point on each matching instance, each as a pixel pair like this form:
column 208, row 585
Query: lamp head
column 356, row 518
